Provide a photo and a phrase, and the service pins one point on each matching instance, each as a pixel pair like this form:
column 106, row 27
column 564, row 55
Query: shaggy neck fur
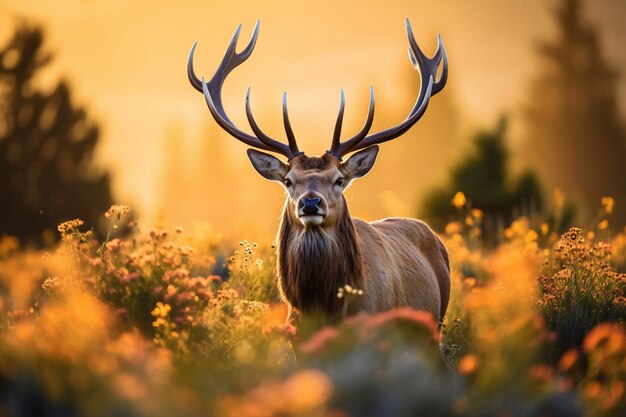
column 313, row 262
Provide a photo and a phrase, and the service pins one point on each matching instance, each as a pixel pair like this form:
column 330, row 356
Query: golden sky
column 126, row 61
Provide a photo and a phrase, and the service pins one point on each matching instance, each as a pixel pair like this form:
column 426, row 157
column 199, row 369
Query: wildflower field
column 180, row 323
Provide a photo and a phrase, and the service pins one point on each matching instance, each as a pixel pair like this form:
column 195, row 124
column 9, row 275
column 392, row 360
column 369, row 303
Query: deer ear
column 267, row 165
column 360, row 163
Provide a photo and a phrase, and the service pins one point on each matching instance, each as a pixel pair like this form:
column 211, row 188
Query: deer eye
column 339, row 182
column 287, row 183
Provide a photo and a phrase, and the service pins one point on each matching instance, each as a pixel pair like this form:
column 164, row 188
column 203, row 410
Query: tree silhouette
column 575, row 139
column 46, row 148
column 484, row 179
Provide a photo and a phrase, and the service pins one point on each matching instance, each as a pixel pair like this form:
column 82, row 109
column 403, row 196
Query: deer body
column 396, row 262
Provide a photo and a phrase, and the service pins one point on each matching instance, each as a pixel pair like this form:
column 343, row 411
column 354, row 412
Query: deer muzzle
column 309, row 211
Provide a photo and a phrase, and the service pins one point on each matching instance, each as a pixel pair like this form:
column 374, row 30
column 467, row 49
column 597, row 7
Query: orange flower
column 568, row 360
column 459, row 200
column 608, row 203
column 468, row 364
column 603, row 225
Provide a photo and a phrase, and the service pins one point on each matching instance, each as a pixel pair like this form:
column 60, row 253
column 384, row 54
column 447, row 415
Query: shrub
column 583, row 292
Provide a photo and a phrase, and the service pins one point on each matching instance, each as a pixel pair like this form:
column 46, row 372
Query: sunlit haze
column 125, row 60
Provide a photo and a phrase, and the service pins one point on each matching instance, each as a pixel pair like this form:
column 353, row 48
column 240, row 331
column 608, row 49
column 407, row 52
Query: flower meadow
column 170, row 322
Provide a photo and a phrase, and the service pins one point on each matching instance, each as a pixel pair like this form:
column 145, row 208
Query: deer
column 395, row 262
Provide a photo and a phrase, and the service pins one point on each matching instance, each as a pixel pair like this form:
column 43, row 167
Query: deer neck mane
column 313, row 262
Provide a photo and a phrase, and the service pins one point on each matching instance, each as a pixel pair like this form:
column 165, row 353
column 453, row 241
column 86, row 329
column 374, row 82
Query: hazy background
column 125, row 62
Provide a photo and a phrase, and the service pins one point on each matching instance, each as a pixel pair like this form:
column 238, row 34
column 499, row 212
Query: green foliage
column 483, row 177
column 46, row 148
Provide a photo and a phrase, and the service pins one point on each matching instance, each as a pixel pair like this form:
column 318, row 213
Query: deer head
column 315, row 185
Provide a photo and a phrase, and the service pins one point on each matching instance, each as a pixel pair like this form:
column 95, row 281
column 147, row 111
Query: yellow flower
column 452, row 228
column 559, row 198
column 477, row 214
column 608, row 203
column 603, row 225
column 459, row 200
column 70, row 225
column 161, row 310
column 117, row 210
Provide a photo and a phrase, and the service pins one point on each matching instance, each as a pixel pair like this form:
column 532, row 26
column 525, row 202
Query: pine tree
column 46, row 148
column 483, row 176
column 575, row 139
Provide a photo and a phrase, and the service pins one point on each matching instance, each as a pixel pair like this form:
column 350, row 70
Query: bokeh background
column 96, row 108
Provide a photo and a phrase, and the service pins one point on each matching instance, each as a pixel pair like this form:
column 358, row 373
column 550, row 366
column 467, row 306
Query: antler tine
column 274, row 144
column 340, row 149
column 213, row 94
column 293, row 146
column 227, row 125
column 231, row 59
column 338, row 123
column 427, row 67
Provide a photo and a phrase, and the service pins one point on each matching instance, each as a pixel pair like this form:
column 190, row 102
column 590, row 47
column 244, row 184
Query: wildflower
column 603, row 225
column 114, row 244
column 452, row 228
column 51, row 284
column 319, row 340
column 70, row 225
column 459, row 200
column 469, row 283
column 468, row 364
column 559, row 198
column 477, row 214
column 171, row 290
column 593, row 390
column 568, row 360
column 601, row 334
column 541, row 372
column 608, row 203
column 161, row 310
column 117, row 210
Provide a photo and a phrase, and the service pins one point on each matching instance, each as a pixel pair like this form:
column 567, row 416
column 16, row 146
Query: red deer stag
column 395, row 261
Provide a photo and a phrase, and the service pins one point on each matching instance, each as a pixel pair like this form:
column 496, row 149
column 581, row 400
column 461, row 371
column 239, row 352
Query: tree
column 575, row 139
column 484, row 179
column 46, row 148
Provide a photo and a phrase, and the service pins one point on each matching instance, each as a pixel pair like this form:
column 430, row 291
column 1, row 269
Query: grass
column 143, row 325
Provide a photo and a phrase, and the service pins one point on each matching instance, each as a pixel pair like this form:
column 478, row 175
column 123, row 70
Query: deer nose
column 309, row 206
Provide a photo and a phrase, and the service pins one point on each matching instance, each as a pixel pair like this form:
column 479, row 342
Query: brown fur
column 396, row 262
column 314, row 262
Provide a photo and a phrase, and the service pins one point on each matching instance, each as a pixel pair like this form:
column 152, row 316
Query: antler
column 429, row 87
column 213, row 95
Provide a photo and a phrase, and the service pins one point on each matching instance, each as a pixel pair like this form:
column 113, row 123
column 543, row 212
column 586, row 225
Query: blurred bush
column 46, row 148
column 138, row 325
column 574, row 137
column 484, row 179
